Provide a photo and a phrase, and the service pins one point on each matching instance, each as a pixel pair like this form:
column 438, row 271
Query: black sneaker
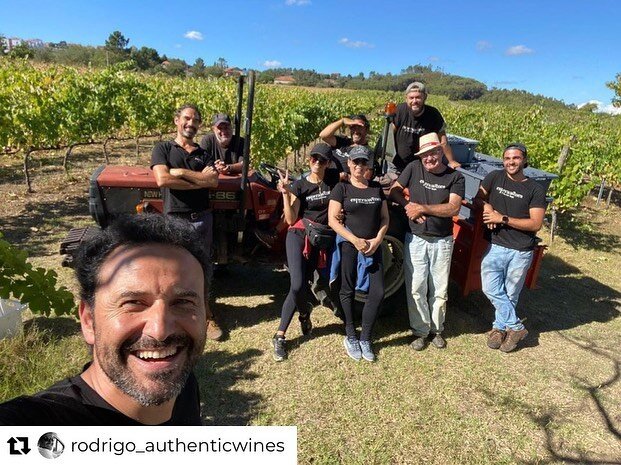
column 280, row 348
column 306, row 325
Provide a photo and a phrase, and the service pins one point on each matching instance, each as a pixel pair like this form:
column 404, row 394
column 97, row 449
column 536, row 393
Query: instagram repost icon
column 50, row 446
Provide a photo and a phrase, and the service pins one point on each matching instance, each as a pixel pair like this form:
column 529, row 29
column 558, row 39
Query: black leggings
column 299, row 270
column 349, row 264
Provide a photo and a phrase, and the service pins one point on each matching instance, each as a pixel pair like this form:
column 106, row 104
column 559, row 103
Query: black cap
column 359, row 151
column 518, row 146
column 321, row 151
column 220, row 118
column 363, row 118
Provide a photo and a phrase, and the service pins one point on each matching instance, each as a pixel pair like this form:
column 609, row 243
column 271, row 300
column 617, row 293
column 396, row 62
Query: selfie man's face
column 147, row 327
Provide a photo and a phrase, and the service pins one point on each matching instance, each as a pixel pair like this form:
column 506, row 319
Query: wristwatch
column 505, row 219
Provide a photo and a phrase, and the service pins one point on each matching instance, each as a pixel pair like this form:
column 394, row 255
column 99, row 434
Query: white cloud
column 193, row 35
column 483, row 45
column 518, row 50
column 601, row 108
column 355, row 43
column 297, row 2
column 177, row 45
column 433, row 58
column 271, row 63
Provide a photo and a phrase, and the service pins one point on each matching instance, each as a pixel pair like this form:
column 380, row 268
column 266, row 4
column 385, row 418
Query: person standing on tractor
column 414, row 119
column 435, row 194
column 359, row 129
column 360, row 235
column 306, row 200
column 513, row 210
column 223, row 146
column 184, row 172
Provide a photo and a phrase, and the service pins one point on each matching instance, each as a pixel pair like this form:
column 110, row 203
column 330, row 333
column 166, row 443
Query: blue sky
column 562, row 49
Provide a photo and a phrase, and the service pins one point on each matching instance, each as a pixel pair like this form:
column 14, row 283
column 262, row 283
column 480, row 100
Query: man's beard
column 113, row 361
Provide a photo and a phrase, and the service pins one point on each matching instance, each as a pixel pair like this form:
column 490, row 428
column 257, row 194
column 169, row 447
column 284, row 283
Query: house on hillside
column 284, row 80
column 233, row 72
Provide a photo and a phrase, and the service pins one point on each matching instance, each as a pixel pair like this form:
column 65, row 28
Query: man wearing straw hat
column 435, row 194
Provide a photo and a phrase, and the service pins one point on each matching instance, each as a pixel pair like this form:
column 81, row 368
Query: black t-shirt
column 362, row 207
column 72, row 402
column 410, row 128
column 232, row 154
column 340, row 154
column 314, row 198
column 169, row 153
column 514, row 199
column 432, row 189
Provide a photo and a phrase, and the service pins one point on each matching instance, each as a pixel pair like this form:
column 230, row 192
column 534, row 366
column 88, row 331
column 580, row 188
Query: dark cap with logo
column 219, row 118
column 360, row 152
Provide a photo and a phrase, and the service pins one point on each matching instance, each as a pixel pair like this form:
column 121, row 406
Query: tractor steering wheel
column 272, row 171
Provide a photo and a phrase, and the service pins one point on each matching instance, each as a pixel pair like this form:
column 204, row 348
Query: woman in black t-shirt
column 362, row 232
column 306, row 198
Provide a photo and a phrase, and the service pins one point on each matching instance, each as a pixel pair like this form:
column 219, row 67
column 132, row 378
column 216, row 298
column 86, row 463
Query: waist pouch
column 319, row 235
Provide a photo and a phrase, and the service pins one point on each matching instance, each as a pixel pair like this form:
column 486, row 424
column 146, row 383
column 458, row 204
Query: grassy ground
column 556, row 400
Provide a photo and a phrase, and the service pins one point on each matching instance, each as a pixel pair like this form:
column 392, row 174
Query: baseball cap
column 419, row 86
column 220, row 118
column 321, row 151
column 359, row 151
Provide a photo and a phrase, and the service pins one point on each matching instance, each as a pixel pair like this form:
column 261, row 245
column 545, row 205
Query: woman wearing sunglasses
column 359, row 245
column 305, row 199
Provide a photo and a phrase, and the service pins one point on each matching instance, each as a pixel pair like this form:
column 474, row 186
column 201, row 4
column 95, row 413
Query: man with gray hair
column 414, row 119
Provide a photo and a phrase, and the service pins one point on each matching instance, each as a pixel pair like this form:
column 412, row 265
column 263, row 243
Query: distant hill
column 148, row 60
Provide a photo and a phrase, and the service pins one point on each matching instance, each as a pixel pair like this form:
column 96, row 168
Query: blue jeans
column 503, row 272
column 427, row 266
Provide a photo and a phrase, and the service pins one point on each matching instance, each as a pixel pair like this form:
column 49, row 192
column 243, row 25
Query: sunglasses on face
column 359, row 161
column 321, row 161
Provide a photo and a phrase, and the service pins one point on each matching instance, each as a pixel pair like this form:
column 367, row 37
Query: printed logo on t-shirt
column 319, row 196
column 417, row 131
column 369, row 201
column 508, row 193
column 432, row 187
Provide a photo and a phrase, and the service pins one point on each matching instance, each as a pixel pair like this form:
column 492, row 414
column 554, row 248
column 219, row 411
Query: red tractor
column 243, row 204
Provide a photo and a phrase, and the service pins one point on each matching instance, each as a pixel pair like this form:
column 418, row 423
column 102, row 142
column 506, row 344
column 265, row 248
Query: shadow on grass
column 27, row 228
column 550, row 419
column 566, row 299
column 580, row 230
column 53, row 329
column 217, row 372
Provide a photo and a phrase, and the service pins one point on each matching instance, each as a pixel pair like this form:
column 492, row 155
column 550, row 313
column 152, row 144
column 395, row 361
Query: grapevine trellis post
column 26, row 173
column 562, row 161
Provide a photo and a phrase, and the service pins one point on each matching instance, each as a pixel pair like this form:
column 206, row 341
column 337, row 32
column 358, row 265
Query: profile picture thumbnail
column 50, row 446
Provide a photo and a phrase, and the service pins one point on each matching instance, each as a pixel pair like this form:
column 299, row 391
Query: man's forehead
column 416, row 93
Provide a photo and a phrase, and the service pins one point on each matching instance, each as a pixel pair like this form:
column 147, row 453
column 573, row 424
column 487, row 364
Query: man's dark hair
column 136, row 231
column 362, row 118
column 185, row 107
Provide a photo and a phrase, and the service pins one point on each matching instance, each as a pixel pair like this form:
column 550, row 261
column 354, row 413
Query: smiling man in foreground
column 142, row 311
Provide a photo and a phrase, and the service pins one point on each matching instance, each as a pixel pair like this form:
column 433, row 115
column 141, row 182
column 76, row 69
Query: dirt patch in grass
column 556, row 400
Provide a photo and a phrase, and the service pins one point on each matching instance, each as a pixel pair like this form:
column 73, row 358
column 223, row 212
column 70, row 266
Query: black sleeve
column 459, row 185
column 296, row 188
column 405, row 176
column 159, row 156
column 538, row 199
column 338, row 193
column 488, row 181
